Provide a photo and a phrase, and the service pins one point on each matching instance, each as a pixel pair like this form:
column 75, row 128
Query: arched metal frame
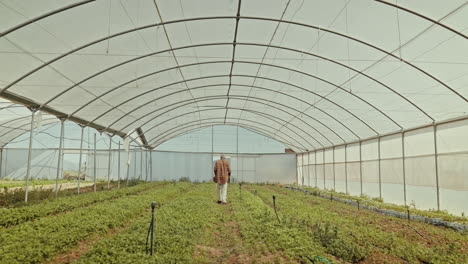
column 256, row 126
column 264, row 115
column 234, row 17
column 247, row 62
column 238, row 17
column 246, row 44
column 217, row 96
column 26, row 124
column 221, row 97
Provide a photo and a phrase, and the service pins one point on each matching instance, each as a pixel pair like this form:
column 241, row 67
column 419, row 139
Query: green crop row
column 352, row 237
column 177, row 226
column 376, row 202
column 36, row 241
column 15, row 216
column 263, row 234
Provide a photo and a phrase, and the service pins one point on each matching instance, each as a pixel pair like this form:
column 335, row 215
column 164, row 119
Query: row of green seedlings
column 15, row 198
column 18, row 215
column 178, row 224
column 36, row 241
column 352, row 238
column 379, row 202
column 263, row 235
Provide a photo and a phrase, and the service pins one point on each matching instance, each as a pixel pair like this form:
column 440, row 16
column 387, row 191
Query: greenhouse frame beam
column 247, row 44
column 31, row 104
column 217, row 76
column 266, row 133
column 234, row 17
column 272, row 118
column 442, row 122
column 59, row 156
column 240, row 85
column 425, row 17
column 214, row 97
column 237, row 97
column 254, row 128
column 28, row 166
column 80, row 159
column 45, row 15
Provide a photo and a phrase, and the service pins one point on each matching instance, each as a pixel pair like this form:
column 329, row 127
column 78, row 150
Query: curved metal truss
column 310, row 131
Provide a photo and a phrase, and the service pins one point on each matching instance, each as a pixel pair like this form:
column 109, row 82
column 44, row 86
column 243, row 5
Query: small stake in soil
column 274, row 206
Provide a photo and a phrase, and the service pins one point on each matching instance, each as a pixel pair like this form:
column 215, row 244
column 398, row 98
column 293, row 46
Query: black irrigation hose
column 274, row 206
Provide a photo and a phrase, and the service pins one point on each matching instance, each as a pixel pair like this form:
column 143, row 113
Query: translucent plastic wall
column 148, row 165
column 426, row 167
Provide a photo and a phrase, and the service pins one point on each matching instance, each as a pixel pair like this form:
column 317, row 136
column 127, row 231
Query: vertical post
column 28, row 168
column 212, row 149
column 141, row 163
column 302, row 157
column 151, row 163
column 360, row 163
column 146, row 165
column 324, row 185
column 109, row 163
column 118, row 167
column 436, row 160
column 380, row 168
column 315, row 168
column 237, row 153
column 308, row 171
column 59, row 162
column 1, row 161
column 94, row 163
column 346, row 166
column 334, row 176
column 134, row 166
column 403, row 163
column 80, row 160
column 128, row 165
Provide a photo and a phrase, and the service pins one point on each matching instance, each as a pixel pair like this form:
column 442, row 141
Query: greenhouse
column 233, row 131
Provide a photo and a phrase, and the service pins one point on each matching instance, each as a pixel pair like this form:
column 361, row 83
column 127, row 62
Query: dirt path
column 221, row 242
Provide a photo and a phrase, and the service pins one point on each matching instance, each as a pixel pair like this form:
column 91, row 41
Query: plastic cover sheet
column 338, row 63
column 43, row 164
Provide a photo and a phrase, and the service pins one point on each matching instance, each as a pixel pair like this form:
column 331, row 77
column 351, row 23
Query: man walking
column 222, row 171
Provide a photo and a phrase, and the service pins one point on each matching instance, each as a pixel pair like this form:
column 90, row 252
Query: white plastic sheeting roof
column 310, row 74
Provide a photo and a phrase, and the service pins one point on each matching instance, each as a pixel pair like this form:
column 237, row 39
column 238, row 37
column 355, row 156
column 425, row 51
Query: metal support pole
column 80, row 160
column 151, row 164
column 308, row 171
column 59, row 157
column 128, row 166
column 360, row 163
column 324, row 185
column 118, row 167
column 334, row 176
column 346, row 166
column 109, row 163
column 403, row 163
column 94, row 164
column 436, row 160
column 134, row 166
column 315, row 168
column 1, row 161
column 380, row 169
column 302, row 157
column 237, row 153
column 146, row 165
column 141, row 164
column 28, row 168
